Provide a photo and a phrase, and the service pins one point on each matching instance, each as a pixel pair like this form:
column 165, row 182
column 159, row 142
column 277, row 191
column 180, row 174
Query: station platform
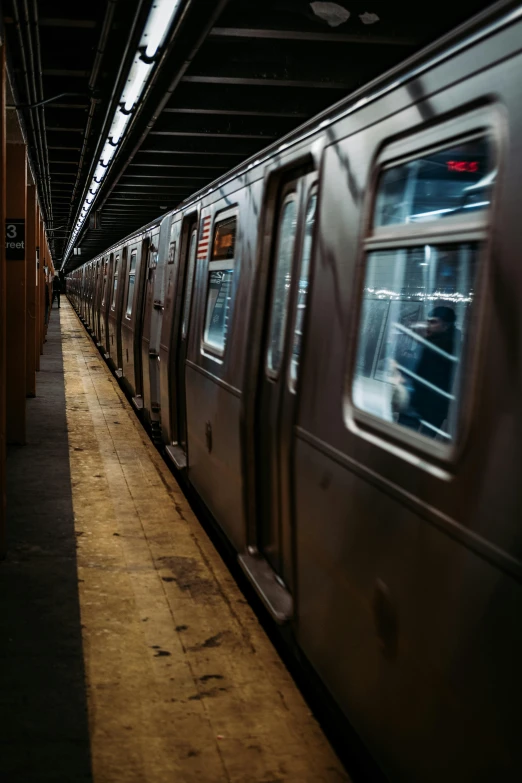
column 128, row 653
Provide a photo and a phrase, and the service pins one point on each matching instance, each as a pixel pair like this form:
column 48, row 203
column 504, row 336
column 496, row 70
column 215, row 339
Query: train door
column 105, row 305
column 187, row 265
column 277, row 392
column 113, row 309
column 143, row 269
column 148, row 356
column 119, row 308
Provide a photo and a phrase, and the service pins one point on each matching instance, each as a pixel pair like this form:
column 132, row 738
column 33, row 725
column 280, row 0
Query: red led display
column 463, row 165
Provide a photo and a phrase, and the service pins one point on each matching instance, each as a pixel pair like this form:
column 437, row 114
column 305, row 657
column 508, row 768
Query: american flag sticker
column 204, row 238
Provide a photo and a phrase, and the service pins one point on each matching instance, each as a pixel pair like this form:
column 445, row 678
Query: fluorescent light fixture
column 108, row 154
column 99, row 174
column 118, row 126
column 157, row 26
column 136, row 80
column 158, row 23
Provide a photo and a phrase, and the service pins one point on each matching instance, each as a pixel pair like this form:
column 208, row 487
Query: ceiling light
column 118, row 126
column 135, row 83
column 154, row 33
column 109, row 150
column 158, row 23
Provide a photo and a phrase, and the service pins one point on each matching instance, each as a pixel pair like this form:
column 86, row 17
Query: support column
column 30, row 258
column 16, row 184
column 38, row 309
column 2, row 303
column 41, row 293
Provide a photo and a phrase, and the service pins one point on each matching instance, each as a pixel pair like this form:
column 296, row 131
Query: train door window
column 220, row 285
column 302, row 295
column 282, row 283
column 189, row 282
column 420, row 287
column 105, row 276
column 132, row 282
column 172, row 244
column 115, row 283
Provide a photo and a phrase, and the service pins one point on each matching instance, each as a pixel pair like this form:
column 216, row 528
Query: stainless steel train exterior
column 268, row 329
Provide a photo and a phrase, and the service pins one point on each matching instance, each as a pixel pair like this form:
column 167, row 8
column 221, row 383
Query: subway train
column 327, row 341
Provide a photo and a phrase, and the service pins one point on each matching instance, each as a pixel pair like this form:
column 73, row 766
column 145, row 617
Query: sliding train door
column 269, row 561
column 177, row 450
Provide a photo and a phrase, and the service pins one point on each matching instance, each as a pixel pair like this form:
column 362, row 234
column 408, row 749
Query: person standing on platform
column 57, row 289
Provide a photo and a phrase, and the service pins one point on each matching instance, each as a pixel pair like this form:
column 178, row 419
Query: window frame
column 311, row 191
column 453, row 230
column 188, row 283
column 105, row 283
column 128, row 313
column 290, row 194
column 171, row 252
column 115, row 276
column 209, row 349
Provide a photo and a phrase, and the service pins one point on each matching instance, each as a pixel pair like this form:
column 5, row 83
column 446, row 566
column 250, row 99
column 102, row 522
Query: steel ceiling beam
column 310, row 36
column 260, row 82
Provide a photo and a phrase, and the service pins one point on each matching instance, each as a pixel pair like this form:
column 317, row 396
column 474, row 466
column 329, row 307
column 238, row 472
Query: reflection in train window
column 220, row 285
column 304, row 276
column 454, row 181
column 219, row 297
column 420, row 291
column 281, row 285
column 224, row 240
column 115, row 284
column 132, row 281
column 413, row 329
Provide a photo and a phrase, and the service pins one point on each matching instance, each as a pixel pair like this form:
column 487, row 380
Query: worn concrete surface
column 182, row 685
column 44, row 733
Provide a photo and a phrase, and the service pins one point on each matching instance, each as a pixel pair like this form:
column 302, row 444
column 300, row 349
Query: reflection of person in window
column 426, row 402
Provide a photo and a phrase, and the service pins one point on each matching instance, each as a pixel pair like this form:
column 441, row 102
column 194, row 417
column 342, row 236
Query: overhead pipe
column 40, row 109
column 36, row 97
column 100, row 51
column 38, row 162
column 47, row 100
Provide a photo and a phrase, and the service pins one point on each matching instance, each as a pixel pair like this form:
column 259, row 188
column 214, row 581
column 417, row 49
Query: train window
column 419, row 292
column 414, row 325
column 304, row 276
column 172, row 244
column 220, row 284
column 115, row 283
column 104, row 289
column 282, row 283
column 439, row 184
column 132, row 281
column 189, row 283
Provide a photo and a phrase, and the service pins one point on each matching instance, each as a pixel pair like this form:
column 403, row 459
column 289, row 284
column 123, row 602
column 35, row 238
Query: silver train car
column 328, row 341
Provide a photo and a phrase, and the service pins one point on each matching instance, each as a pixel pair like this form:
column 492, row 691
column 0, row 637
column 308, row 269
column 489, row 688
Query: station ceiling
column 234, row 76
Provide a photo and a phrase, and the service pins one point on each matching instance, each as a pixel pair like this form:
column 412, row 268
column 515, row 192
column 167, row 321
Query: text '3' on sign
column 15, row 239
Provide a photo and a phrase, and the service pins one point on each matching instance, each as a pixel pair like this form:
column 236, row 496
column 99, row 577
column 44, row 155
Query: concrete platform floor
column 127, row 652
